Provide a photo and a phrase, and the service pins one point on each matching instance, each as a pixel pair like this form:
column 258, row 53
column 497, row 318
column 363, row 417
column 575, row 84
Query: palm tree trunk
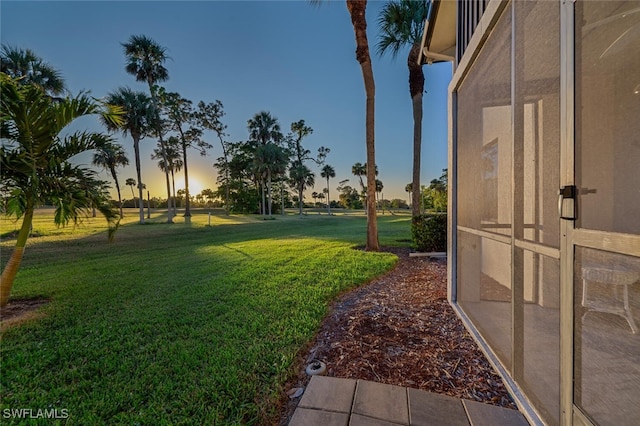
column 169, row 199
column 173, row 184
column 136, row 149
column 11, row 268
column 169, row 210
column 270, row 197
column 282, row 198
column 328, row 198
column 357, row 10
column 187, row 205
column 300, row 194
column 115, row 179
column 133, row 195
column 416, row 88
column 263, row 207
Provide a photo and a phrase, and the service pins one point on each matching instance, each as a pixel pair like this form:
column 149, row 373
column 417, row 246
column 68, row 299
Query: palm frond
column 401, row 23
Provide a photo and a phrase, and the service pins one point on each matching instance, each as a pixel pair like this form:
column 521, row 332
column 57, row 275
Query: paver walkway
column 331, row 401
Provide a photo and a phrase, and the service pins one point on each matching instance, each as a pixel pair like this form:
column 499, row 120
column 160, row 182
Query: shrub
column 429, row 232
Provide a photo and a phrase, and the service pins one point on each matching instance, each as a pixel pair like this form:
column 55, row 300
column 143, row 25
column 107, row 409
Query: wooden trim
column 566, row 226
column 628, row 244
column 538, row 248
column 506, row 239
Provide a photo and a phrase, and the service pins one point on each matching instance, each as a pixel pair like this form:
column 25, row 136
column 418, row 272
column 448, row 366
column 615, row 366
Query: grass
column 177, row 324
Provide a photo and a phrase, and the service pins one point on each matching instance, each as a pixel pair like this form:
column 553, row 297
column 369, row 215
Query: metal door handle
column 567, row 210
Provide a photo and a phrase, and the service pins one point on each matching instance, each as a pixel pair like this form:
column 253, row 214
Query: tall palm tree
column 379, row 187
column 302, row 177
column 409, row 188
column 359, row 170
column 25, row 65
column 357, row 11
column 35, row 162
column 264, row 130
column 135, row 122
column 109, row 156
column 270, row 160
column 145, row 60
column 170, row 161
column 131, row 182
column 401, row 25
column 327, row 173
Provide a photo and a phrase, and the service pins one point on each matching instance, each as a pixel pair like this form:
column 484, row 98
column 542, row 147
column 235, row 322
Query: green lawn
column 177, row 324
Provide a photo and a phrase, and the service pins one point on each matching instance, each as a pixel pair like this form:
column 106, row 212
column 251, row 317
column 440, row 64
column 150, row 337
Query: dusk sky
column 290, row 58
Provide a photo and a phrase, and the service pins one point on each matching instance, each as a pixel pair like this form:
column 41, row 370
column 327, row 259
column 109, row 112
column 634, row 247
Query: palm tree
column 109, row 156
column 302, row 177
column 357, row 9
column 270, row 160
column 409, row 188
column 402, row 24
column 379, row 187
column 327, row 173
column 170, row 162
column 314, row 195
column 321, row 197
column 359, row 170
column 264, row 130
column 145, row 61
column 135, row 122
column 25, row 65
column 131, row 182
column 35, row 162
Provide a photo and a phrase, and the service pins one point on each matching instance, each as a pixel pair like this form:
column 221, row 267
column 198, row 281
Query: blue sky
column 292, row 59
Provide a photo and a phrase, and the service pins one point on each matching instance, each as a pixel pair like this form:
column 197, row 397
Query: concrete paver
column 308, row 417
column 432, row 409
column 490, row 415
column 329, row 393
column 358, row 420
column 380, row 401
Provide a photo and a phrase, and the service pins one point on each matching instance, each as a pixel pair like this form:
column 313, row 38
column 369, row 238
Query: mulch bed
column 399, row 329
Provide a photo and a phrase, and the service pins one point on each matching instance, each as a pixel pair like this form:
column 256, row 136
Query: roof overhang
column 439, row 37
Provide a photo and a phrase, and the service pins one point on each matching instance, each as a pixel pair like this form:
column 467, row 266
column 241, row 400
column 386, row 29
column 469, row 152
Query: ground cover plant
column 177, row 324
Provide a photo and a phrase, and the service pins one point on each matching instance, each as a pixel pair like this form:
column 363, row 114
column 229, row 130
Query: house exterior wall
column 533, row 108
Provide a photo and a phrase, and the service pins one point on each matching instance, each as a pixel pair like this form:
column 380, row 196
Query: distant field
column 177, row 324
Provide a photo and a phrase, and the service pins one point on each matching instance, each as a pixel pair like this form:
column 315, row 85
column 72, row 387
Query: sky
column 290, row 58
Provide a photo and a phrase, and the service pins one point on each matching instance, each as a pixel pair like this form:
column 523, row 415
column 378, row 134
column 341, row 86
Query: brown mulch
column 399, row 329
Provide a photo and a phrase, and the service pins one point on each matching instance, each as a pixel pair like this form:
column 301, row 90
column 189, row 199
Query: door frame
column 567, row 166
column 571, row 237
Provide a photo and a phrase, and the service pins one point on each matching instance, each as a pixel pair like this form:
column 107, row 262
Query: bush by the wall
column 429, row 232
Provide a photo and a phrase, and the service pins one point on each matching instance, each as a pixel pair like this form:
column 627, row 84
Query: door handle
column 567, row 202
